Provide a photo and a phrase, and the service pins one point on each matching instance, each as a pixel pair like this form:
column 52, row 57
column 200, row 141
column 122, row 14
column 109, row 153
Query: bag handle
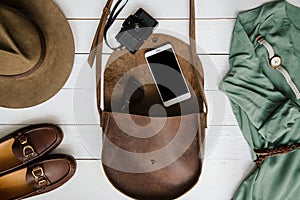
column 97, row 46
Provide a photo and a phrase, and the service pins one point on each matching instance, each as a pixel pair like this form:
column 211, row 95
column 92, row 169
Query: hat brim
column 57, row 65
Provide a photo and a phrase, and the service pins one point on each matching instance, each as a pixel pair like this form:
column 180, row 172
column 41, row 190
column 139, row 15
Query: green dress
column 266, row 108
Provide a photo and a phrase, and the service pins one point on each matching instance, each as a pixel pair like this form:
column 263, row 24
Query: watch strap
column 261, row 40
column 289, row 81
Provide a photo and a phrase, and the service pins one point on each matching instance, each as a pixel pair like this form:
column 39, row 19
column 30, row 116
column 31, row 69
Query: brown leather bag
column 157, row 156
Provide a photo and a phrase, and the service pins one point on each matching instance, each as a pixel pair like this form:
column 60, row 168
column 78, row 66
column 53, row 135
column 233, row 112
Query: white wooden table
column 227, row 159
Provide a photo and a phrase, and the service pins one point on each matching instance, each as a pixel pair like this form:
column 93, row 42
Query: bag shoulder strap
column 96, row 53
column 97, row 46
column 195, row 60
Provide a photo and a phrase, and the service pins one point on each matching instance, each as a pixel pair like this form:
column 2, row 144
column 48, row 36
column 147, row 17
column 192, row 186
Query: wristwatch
column 275, row 62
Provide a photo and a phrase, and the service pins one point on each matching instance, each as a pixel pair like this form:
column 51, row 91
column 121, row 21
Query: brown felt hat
column 36, row 52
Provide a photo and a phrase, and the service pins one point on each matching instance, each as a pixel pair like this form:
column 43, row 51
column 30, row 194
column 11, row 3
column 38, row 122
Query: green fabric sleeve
column 263, row 103
column 248, row 88
column 281, row 122
column 245, row 84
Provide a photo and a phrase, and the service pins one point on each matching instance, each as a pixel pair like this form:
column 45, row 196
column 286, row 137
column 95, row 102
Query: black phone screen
column 167, row 74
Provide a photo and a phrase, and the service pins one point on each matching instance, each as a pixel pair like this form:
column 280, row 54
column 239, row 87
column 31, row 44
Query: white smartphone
column 167, row 74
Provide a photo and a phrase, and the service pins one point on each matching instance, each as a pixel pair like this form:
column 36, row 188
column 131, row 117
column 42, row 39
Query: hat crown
column 20, row 43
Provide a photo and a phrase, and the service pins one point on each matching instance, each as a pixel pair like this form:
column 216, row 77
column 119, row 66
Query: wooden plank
column 222, row 143
column 213, row 36
column 226, row 143
column 85, row 142
column 78, row 107
column 219, row 180
column 180, row 9
column 58, row 110
column 215, row 69
column 83, row 77
column 227, row 155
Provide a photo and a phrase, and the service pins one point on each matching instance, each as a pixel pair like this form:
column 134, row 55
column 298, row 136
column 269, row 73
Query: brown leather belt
column 264, row 153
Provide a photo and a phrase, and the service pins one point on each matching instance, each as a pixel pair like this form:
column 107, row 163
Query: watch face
column 275, row 62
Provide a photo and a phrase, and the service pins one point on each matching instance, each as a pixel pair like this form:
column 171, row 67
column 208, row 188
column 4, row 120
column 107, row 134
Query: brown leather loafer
column 28, row 144
column 40, row 177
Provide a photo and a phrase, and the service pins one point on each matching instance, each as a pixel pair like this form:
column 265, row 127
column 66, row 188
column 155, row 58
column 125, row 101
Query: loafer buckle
column 38, row 172
column 23, row 139
column 28, row 151
column 42, row 183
